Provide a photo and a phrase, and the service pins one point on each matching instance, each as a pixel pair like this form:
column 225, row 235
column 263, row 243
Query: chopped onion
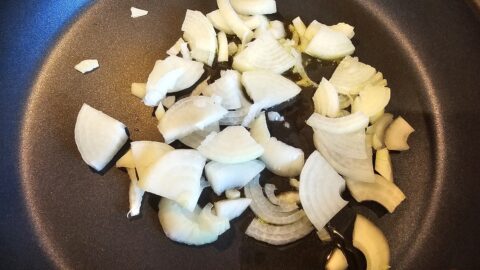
column 326, row 100
column 232, row 48
column 320, row 188
column 227, row 176
column 253, row 111
column 175, row 49
column 219, row 22
column 232, row 194
column 370, row 240
column 324, row 235
column 298, row 68
column 371, row 100
column 194, row 139
column 299, row 26
column 254, row 7
column 258, row 22
column 378, row 130
column 267, row 211
column 199, row 33
column 279, row 235
column 146, row 153
column 200, row 87
column 376, row 116
column 87, row 65
column 264, row 53
column 185, row 52
column 382, row 191
column 396, row 135
column 344, row 28
column 310, row 32
column 294, row 183
column 353, row 168
column 231, row 145
column 136, row 12
column 350, row 145
column 159, row 112
column 176, row 176
column 139, row 89
column 268, row 88
column 135, row 195
column 344, row 101
column 234, row 21
column 188, row 115
column 222, row 47
column 282, row 159
column 231, row 209
column 289, row 197
column 336, row 260
column 235, row 117
column 270, row 192
column 341, row 125
column 351, row 76
column 98, row 136
column 383, row 164
column 259, row 129
column 126, row 161
column 277, row 29
column 229, row 88
column 328, row 44
column 168, row 101
column 192, row 228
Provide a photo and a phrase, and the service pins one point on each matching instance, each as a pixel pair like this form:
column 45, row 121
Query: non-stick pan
column 56, row 213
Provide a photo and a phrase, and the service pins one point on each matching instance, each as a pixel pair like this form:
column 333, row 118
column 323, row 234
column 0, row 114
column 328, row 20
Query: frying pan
column 58, row 214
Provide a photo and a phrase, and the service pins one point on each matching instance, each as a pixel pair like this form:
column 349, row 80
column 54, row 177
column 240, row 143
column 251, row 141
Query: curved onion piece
column 344, row 101
column 259, row 129
column 264, row 53
column 139, row 89
column 336, row 261
column 199, row 33
column 326, row 100
column 277, row 29
column 268, row 88
column 396, row 135
column 294, row 183
column 194, row 139
column 175, row 49
column 229, row 88
column 350, row 145
column 231, row 145
column 320, row 187
column 145, row 153
column 188, row 115
column 299, row 26
column 176, row 175
column 222, row 47
column 226, row 176
column 344, row 28
column 168, row 101
column 381, row 191
column 234, row 21
column 298, row 68
column 232, row 194
column 255, row 22
column 267, row 211
column 200, row 87
column 231, row 209
column 371, row 100
column 270, row 192
column 279, row 235
column 232, row 48
column 254, row 7
column 324, row 235
column 192, row 228
column 378, row 130
column 126, row 161
column 98, row 136
column 374, row 118
column 135, row 195
column 282, row 159
column 383, row 164
column 351, row 76
column 355, row 169
column 370, row 240
column 219, row 22
column 159, row 112
column 328, row 44
column 341, row 125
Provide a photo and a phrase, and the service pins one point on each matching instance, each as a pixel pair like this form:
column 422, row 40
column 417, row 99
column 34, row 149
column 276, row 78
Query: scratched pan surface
column 58, row 213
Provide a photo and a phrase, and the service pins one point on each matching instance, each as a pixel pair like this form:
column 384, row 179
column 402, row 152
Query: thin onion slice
column 231, row 145
column 231, row 208
column 320, row 188
column 254, row 7
column 259, row 129
column 219, row 22
column 279, row 235
column 199, row 33
column 175, row 49
column 188, row 115
column 222, row 47
column 264, row 53
column 282, row 159
column 270, row 192
column 353, row 168
column 326, row 99
column 344, row 28
column 370, row 240
column 234, row 21
column 383, row 164
column 341, row 125
column 381, row 191
column 268, row 88
column 98, row 136
column 227, row 176
column 135, row 194
column 200, row 87
column 229, row 88
column 298, row 68
column 194, row 139
column 176, row 175
column 328, row 44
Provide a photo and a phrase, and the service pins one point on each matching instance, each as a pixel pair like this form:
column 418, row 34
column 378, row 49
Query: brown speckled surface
column 80, row 216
